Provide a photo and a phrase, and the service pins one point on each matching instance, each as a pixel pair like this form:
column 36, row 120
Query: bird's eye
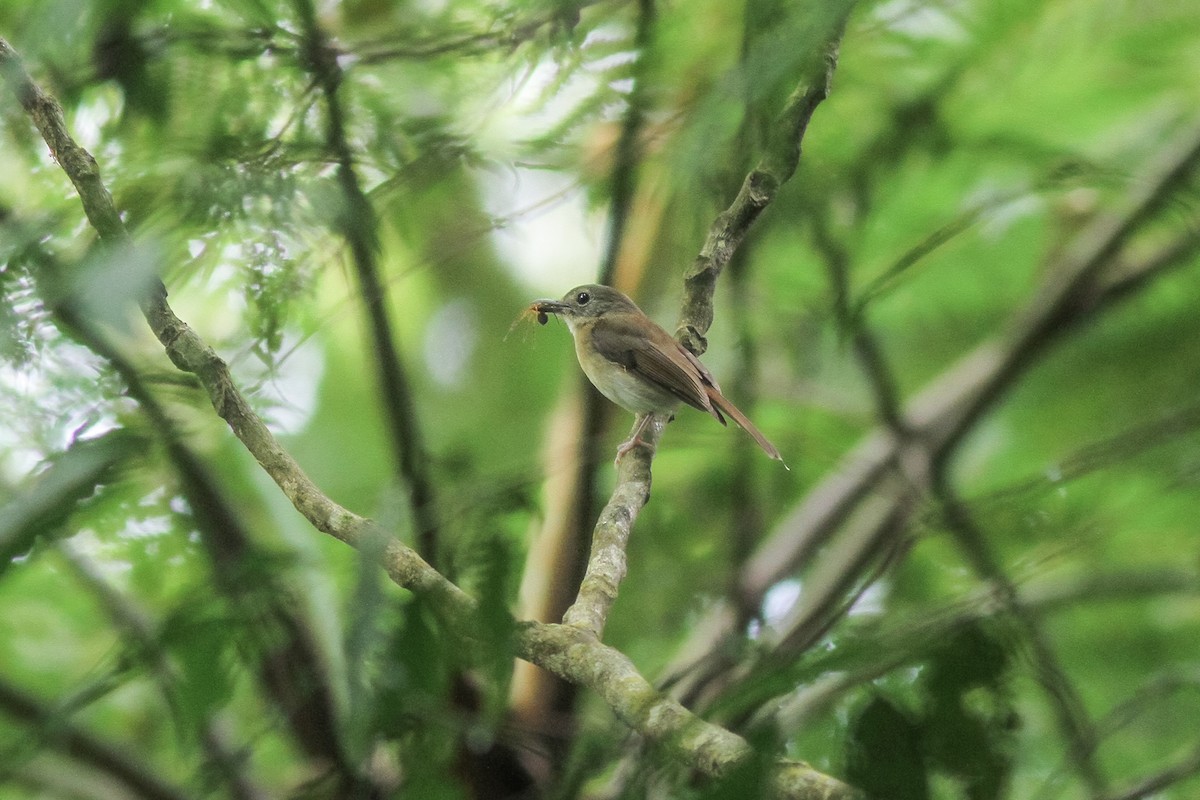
column 582, row 298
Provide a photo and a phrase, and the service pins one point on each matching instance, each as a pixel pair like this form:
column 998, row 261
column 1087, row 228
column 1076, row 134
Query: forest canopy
column 298, row 500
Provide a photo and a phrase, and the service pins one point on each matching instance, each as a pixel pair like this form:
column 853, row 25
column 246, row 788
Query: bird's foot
column 635, row 439
column 625, row 447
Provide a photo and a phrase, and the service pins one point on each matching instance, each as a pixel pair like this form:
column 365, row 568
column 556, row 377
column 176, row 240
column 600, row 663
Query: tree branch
column 357, row 225
column 291, row 670
column 711, row 750
column 63, row 736
column 1074, row 723
column 853, row 324
column 758, row 190
column 606, row 565
column 1185, row 768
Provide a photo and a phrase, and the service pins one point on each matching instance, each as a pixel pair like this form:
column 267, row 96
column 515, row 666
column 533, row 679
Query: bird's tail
column 721, row 402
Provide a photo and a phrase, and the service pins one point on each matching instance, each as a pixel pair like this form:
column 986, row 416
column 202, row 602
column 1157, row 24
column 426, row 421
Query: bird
column 636, row 364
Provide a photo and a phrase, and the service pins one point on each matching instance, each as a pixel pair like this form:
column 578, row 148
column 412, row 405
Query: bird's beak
column 551, row 307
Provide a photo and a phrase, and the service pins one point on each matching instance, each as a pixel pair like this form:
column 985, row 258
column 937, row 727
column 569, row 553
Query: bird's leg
column 634, row 440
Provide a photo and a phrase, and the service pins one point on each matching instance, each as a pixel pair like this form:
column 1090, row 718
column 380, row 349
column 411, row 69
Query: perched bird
column 638, row 365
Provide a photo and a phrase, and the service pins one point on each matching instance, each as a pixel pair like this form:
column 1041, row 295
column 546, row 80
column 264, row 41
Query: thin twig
column 854, row 324
column 946, row 233
column 1075, row 726
column 906, row 641
column 1185, row 768
column 474, row 43
column 134, row 624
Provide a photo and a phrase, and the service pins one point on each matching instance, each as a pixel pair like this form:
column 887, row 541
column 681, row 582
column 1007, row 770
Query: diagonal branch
column 65, row 737
column 711, row 750
column 950, row 404
column 1081, row 286
column 134, row 624
column 1153, row 786
column 925, row 471
column 190, row 353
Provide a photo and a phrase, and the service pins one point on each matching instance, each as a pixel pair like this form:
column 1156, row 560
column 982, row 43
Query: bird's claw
column 625, row 447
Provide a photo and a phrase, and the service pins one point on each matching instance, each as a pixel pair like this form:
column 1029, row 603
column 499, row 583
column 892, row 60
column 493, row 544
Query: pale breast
column 629, row 391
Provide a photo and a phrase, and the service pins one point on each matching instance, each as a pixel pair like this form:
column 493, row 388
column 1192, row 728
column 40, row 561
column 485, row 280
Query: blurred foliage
column 963, row 146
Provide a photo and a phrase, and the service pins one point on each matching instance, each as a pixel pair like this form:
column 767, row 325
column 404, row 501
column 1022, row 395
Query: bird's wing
column 657, row 357
column 660, row 359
